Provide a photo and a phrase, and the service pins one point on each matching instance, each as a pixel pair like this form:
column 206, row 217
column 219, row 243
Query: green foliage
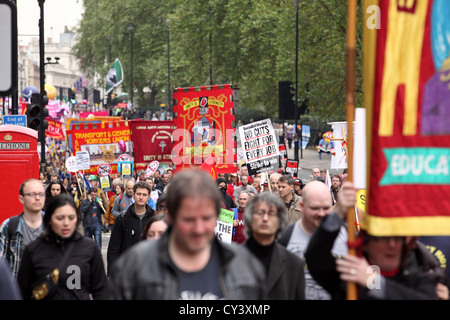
column 250, row 43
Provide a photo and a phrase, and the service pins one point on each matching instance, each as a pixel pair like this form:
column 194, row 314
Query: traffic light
column 34, row 112
column 286, row 106
column 96, row 96
column 37, row 112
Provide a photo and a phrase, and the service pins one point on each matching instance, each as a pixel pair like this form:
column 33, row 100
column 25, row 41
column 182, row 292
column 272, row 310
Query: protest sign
column 283, row 152
column 83, row 161
column 126, row 169
column 105, row 183
column 104, row 170
column 292, row 168
column 224, row 226
column 151, row 169
column 71, row 164
column 260, row 146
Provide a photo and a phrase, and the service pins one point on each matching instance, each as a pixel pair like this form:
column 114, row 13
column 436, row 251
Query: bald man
column 315, row 205
column 315, row 174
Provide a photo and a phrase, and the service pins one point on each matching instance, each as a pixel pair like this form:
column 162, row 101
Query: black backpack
column 286, row 235
column 12, row 227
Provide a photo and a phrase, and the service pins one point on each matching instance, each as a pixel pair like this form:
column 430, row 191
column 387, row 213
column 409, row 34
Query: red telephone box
column 19, row 161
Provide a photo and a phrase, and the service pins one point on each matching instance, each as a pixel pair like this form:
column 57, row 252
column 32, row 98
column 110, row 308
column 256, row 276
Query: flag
column 52, row 149
column 86, row 182
column 114, row 76
column 406, row 94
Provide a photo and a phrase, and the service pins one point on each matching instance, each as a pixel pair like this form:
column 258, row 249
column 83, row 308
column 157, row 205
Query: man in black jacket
column 129, row 226
column 188, row 261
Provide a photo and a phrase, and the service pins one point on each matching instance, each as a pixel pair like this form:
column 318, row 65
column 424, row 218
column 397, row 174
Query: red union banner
column 55, row 130
column 102, row 143
column 152, row 140
column 407, row 96
column 203, row 118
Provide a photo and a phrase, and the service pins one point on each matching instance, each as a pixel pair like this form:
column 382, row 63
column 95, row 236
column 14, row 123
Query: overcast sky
column 57, row 14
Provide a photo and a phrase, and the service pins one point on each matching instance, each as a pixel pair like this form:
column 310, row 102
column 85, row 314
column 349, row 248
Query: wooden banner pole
column 350, row 115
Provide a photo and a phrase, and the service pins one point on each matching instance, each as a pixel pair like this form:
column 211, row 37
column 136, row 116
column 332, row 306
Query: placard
column 151, row 169
column 126, row 169
column 83, row 161
column 224, row 226
column 292, row 168
column 283, row 152
column 104, row 170
column 71, row 164
column 105, row 184
column 260, row 146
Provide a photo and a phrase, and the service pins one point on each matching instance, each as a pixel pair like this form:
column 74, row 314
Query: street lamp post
column 168, row 65
column 131, row 29
column 108, row 101
column 41, row 80
column 298, row 132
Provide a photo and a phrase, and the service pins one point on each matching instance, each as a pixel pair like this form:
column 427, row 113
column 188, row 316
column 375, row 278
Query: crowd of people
column 289, row 241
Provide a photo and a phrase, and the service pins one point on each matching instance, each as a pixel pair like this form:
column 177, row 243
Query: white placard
column 71, row 164
column 83, row 160
column 224, row 231
column 260, row 146
column 339, row 161
column 360, row 152
column 151, row 169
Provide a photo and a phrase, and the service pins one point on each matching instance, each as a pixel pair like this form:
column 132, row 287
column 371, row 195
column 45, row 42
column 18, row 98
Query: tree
column 250, row 43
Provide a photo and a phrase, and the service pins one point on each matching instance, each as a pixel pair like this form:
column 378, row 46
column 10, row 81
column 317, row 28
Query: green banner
column 226, row 216
column 417, row 166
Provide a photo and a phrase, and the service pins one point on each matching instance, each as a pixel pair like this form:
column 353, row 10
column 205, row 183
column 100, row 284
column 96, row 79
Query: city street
column 311, row 160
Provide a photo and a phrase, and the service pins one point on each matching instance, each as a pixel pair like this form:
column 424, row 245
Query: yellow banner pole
column 350, row 115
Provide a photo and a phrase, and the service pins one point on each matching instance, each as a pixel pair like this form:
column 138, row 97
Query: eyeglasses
column 35, row 195
column 271, row 214
column 162, row 207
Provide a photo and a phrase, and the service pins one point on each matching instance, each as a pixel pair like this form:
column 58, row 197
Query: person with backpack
column 129, row 226
column 18, row 231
